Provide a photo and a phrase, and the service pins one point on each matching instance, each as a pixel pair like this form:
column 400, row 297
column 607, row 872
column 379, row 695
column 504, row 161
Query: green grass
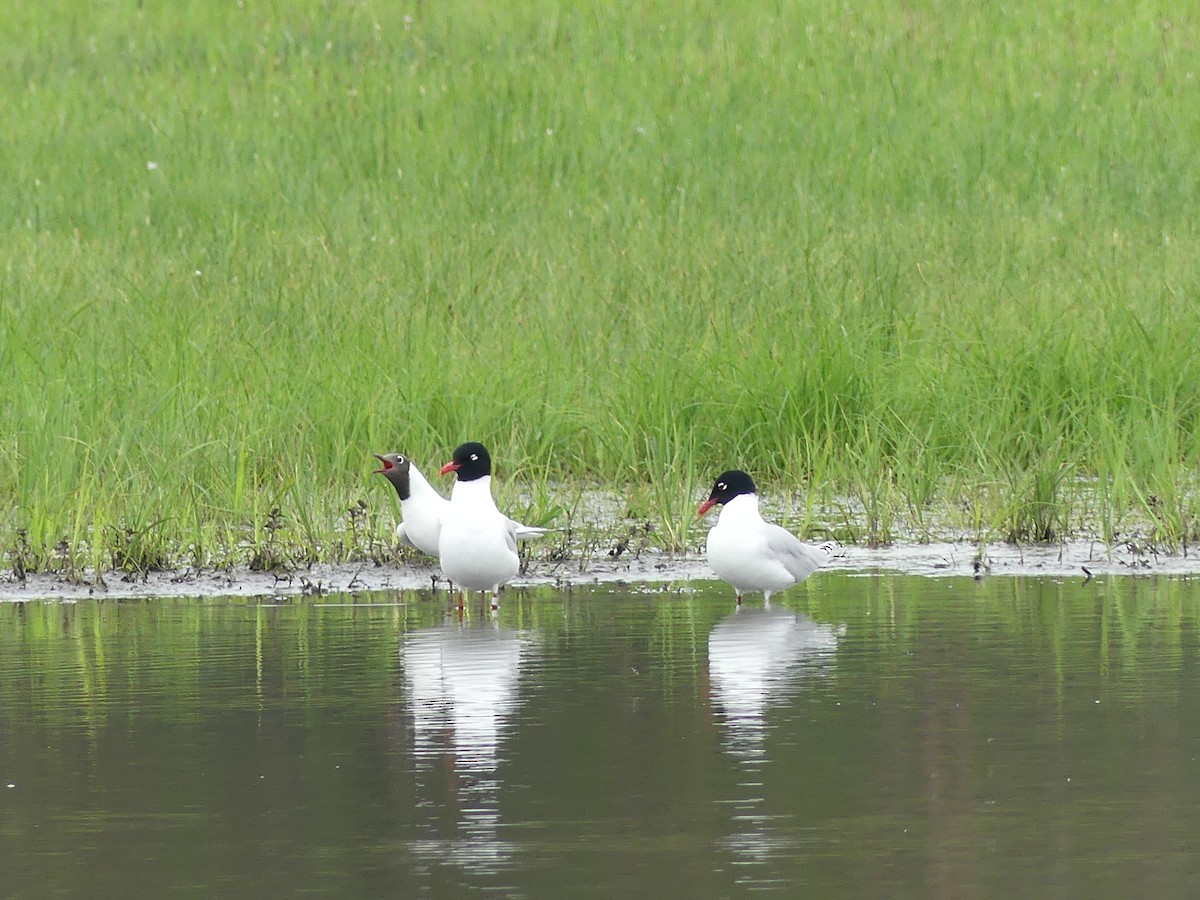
column 934, row 263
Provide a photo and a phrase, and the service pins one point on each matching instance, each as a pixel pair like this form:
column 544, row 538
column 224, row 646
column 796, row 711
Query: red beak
column 386, row 465
column 450, row 467
column 706, row 506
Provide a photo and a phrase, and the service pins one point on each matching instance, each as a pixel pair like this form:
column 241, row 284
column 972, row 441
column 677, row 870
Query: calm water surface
column 865, row 736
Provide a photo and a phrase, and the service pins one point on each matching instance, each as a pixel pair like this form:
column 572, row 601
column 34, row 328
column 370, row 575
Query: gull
column 750, row 553
column 477, row 546
column 421, row 506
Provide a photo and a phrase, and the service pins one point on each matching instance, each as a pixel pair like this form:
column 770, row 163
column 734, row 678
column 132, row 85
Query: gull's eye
column 475, row 457
column 721, row 485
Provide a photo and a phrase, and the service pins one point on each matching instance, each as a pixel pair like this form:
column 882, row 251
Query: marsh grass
column 912, row 258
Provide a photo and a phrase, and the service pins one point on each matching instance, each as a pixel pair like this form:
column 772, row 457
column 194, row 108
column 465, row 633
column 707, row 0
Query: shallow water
column 865, row 736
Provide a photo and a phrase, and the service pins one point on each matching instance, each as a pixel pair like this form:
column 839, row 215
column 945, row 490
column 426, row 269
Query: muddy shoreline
column 1082, row 559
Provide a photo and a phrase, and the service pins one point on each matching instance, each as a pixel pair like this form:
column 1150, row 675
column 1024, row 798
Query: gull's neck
column 418, row 487
column 477, row 490
column 742, row 508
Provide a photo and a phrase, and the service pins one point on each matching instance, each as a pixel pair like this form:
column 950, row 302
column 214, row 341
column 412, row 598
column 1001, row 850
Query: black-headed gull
column 478, row 544
column 750, row 553
column 422, row 507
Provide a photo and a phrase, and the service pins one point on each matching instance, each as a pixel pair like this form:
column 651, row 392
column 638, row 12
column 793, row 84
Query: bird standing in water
column 477, row 546
column 750, row 553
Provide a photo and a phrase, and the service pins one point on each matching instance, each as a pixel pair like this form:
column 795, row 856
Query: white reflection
column 757, row 658
column 461, row 688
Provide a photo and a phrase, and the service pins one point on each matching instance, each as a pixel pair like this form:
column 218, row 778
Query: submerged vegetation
column 932, row 266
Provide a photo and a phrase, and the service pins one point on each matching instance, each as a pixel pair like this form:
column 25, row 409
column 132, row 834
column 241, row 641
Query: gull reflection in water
column 461, row 688
column 757, row 658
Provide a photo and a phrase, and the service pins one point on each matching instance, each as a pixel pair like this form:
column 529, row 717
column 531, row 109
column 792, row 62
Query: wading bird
column 477, row 546
column 750, row 553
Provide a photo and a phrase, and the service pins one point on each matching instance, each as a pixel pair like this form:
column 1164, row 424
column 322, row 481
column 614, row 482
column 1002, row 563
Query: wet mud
column 1085, row 560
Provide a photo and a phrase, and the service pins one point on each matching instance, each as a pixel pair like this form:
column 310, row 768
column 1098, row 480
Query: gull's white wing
column 799, row 558
column 525, row 532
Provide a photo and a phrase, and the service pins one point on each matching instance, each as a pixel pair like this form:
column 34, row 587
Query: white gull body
column 477, row 546
column 752, row 554
column 422, row 514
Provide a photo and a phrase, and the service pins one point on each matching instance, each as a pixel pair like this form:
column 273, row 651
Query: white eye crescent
column 475, row 457
column 722, row 485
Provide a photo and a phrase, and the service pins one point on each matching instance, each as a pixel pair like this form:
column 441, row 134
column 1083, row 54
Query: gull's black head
column 729, row 485
column 470, row 461
column 395, row 470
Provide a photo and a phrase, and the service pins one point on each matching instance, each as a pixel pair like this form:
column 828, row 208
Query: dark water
column 864, row 737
